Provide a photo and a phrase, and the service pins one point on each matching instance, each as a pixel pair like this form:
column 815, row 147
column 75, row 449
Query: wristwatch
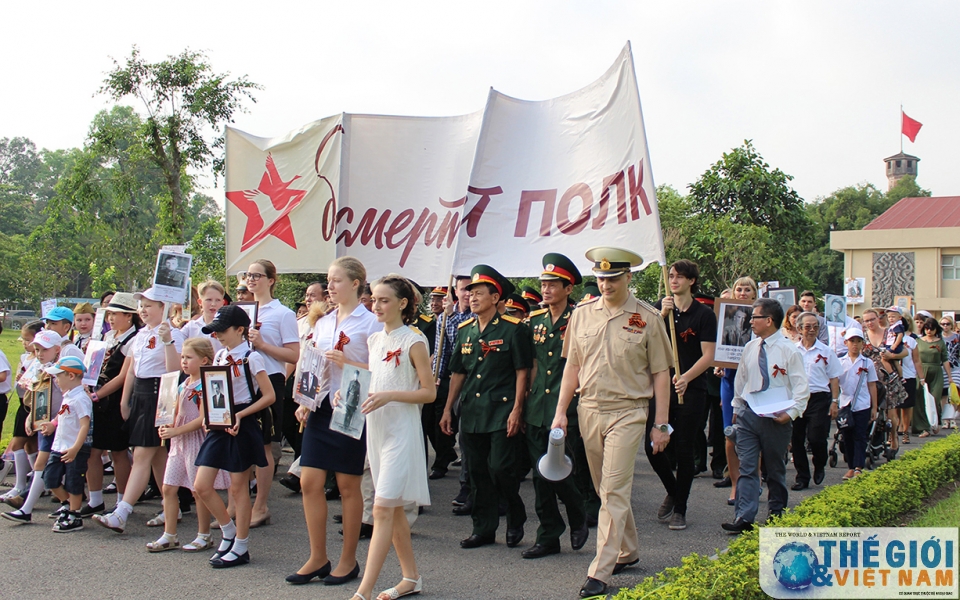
column 664, row 428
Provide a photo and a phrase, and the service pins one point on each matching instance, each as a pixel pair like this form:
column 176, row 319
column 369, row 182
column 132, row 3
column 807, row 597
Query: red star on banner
column 253, row 203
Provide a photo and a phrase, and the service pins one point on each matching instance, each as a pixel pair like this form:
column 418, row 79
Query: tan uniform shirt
column 618, row 352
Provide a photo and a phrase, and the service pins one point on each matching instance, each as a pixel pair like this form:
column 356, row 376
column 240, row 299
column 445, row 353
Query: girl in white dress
column 401, row 380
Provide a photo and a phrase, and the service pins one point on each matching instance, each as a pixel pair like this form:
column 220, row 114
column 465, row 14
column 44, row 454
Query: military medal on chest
column 466, row 347
column 539, row 333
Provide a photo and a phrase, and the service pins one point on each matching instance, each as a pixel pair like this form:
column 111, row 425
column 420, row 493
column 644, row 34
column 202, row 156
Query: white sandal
column 160, row 520
column 111, row 521
column 393, row 594
column 162, row 545
column 199, row 544
column 358, row 595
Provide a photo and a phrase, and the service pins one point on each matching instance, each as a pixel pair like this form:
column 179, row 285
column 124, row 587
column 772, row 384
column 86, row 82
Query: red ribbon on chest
column 394, row 355
column 343, row 341
column 636, row 321
column 152, row 343
column 64, row 409
column 487, row 348
column 819, row 358
column 685, row 334
column 777, row 370
column 862, row 370
column 235, row 363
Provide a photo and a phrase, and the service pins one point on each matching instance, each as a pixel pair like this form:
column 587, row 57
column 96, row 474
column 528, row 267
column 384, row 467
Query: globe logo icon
column 794, row 565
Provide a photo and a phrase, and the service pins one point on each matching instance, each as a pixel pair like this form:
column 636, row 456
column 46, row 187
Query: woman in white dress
column 401, row 380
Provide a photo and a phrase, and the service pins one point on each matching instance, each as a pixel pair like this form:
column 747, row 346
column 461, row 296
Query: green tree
column 186, row 105
column 208, row 248
column 20, row 164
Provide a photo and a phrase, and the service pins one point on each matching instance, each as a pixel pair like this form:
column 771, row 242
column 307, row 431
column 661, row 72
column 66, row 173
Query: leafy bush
column 874, row 499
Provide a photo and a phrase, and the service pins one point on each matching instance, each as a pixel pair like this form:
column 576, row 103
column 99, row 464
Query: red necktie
column 395, row 356
column 343, row 341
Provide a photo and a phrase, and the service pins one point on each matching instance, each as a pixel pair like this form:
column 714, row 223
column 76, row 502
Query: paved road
column 97, row 563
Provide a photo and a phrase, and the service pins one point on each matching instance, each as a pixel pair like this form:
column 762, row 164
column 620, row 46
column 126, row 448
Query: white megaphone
column 555, row 465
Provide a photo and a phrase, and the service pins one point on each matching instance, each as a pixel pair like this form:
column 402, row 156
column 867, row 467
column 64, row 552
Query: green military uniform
column 427, row 324
column 489, row 360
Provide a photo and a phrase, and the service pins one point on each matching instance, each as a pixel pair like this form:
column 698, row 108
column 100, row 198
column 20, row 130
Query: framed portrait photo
column 219, row 411
column 307, row 385
column 904, row 303
column 787, row 297
column 733, row 330
column 835, row 310
column 167, row 401
column 93, row 361
column 171, row 278
column 40, row 411
column 252, row 309
column 853, row 289
column 347, row 418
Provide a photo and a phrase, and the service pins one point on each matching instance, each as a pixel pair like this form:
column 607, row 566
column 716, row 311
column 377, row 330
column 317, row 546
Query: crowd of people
column 488, row 369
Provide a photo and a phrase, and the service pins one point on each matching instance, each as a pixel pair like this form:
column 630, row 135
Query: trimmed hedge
column 875, row 498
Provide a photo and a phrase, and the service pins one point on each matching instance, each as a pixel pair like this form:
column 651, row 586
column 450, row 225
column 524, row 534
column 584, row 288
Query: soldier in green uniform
column 532, row 296
column 549, row 327
column 590, row 291
column 517, row 307
column 489, row 366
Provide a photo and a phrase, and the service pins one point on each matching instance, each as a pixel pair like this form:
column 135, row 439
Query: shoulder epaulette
column 465, row 323
column 648, row 306
column 415, row 330
column 590, row 301
column 510, row 319
column 427, row 318
column 539, row 312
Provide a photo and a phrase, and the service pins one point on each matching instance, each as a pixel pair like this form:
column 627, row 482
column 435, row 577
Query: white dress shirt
column 152, row 361
column 782, row 355
column 821, row 365
column 357, row 327
column 850, row 379
column 195, row 329
column 278, row 327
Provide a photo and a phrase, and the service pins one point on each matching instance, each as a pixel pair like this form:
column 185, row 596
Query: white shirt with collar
column 782, row 354
column 277, row 327
column 238, row 379
column 835, row 333
column 821, row 365
column 68, row 348
column 194, row 329
column 850, row 379
column 357, row 327
column 152, row 361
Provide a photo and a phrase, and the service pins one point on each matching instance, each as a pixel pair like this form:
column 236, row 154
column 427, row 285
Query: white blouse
column 238, row 379
column 149, row 352
column 353, row 332
column 278, row 327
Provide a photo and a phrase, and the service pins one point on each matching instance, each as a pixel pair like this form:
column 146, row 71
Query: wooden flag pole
column 673, row 331
column 443, row 334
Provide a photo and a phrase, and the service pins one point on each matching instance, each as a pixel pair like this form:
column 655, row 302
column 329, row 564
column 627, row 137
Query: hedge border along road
column 876, row 498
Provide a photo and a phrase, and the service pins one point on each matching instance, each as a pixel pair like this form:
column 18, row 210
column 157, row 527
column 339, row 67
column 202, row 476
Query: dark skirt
column 108, row 430
column 143, row 413
column 328, row 450
column 279, row 382
column 20, row 421
column 234, row 453
column 911, row 386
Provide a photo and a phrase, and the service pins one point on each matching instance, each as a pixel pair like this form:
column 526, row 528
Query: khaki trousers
column 611, row 439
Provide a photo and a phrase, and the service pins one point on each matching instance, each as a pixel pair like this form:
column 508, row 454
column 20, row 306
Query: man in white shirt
column 771, row 370
column 823, row 370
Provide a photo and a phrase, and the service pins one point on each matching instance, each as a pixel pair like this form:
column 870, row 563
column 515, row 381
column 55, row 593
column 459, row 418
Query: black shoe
column 111, row 488
column 818, row 475
column 298, row 579
column 514, row 536
column 335, row 580
column 539, row 551
column 338, row 518
column 230, row 560
column 438, row 474
column 666, row 509
column 475, row 541
column 291, row 482
column 738, row 526
column 149, row 494
column 465, row 510
column 619, row 567
column 593, row 587
column 17, row 517
column 800, row 485
column 591, row 521
column 718, row 473
column 578, row 537
column 725, row 482
column 218, row 553
column 462, row 497
column 457, row 463
column 332, row 493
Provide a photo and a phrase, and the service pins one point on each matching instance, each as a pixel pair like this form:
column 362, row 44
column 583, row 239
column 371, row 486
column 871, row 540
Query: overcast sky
column 816, row 85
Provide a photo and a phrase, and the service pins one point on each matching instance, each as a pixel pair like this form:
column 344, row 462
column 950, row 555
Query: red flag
column 910, row 128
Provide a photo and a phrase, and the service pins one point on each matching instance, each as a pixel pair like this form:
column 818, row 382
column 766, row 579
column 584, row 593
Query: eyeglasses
column 810, row 327
column 752, row 317
column 251, row 276
column 946, row 324
column 874, row 320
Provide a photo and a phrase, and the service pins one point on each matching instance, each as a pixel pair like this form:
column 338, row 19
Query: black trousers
column 430, row 420
column 686, row 420
column 814, row 427
column 716, row 439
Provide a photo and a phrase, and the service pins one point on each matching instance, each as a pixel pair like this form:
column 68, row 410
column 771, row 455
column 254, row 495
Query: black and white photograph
column 93, row 361
column 167, row 404
column 765, row 286
column 347, row 418
column 787, row 297
column 733, row 330
column 835, row 309
column 853, row 289
column 171, row 279
column 98, row 324
column 252, row 309
column 40, row 413
column 904, row 303
column 217, row 397
column 312, row 365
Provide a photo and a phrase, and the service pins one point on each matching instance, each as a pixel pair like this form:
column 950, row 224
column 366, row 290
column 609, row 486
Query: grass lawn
column 945, row 513
column 13, row 349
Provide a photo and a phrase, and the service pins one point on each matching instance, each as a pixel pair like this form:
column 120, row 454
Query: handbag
column 845, row 414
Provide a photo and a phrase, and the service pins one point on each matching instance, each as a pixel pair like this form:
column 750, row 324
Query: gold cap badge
column 604, row 264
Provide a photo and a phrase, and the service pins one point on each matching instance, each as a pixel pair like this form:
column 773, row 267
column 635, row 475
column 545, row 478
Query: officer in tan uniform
column 618, row 356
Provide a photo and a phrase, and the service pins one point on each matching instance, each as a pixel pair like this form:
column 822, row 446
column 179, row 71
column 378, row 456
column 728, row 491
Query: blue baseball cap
column 59, row 313
column 67, row 364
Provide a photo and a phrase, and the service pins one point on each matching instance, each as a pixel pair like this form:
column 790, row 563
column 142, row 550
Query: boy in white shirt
column 858, row 390
column 65, row 470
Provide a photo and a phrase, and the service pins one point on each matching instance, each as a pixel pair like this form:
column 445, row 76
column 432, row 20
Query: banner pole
column 673, row 331
column 443, row 333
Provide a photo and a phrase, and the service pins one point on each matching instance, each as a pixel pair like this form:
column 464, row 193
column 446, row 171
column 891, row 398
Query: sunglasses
column 946, row 324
